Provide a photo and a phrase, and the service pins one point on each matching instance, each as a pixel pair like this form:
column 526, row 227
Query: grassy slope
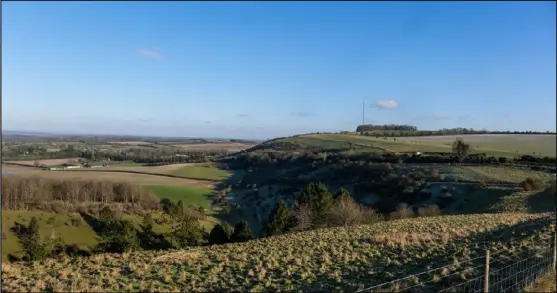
column 337, row 257
column 81, row 234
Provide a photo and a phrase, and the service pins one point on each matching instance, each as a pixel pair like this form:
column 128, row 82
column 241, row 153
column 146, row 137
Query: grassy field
column 70, row 227
column 336, row 259
column 495, row 145
column 544, row 145
column 201, row 172
column 188, row 195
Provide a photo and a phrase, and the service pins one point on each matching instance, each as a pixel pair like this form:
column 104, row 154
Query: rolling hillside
column 335, row 259
column 503, row 145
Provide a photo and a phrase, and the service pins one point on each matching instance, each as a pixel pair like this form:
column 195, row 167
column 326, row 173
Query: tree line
column 398, row 132
column 371, row 127
column 23, row 193
column 154, row 156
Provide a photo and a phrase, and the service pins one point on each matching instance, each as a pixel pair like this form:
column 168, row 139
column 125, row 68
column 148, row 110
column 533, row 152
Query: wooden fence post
column 486, row 272
column 555, row 250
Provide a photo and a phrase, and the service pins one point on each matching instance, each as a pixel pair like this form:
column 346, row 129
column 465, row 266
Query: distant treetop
column 371, row 127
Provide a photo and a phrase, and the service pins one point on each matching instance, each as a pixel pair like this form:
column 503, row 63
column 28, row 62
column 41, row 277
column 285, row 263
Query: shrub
column 402, row 212
column 118, row 236
column 30, row 240
column 219, row 235
column 429, row 211
column 148, row 238
column 345, row 211
column 186, row 231
column 280, row 220
column 319, row 199
column 167, row 205
column 531, row 184
column 4, row 236
column 242, row 232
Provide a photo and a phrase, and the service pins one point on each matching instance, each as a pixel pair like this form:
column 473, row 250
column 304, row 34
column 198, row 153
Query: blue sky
column 260, row 70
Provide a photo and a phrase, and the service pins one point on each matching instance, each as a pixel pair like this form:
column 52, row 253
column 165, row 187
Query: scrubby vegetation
column 332, row 259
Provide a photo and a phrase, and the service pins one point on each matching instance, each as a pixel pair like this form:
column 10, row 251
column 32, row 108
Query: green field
column 70, row 227
column 71, row 232
column 201, row 172
column 188, row 195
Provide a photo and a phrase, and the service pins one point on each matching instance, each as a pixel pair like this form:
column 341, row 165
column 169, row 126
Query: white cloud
column 386, row 104
column 149, row 53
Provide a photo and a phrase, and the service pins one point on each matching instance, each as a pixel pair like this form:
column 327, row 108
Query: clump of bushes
column 429, row 211
column 531, row 184
column 34, row 248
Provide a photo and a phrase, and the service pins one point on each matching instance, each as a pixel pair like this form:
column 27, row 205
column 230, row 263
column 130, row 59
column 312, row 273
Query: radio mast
column 363, row 112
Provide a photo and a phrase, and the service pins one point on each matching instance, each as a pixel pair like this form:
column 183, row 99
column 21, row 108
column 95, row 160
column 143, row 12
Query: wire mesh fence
column 495, row 273
column 510, row 278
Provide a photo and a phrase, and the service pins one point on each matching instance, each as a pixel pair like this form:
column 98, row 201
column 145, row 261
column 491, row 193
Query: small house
column 70, row 166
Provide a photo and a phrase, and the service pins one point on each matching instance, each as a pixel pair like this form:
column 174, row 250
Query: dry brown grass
column 545, row 283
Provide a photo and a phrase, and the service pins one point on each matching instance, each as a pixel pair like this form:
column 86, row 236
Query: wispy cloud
column 149, row 53
column 386, row 104
column 207, row 122
column 302, row 114
column 242, row 115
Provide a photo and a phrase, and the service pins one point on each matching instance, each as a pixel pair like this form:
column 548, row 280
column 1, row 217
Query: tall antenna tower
column 363, row 112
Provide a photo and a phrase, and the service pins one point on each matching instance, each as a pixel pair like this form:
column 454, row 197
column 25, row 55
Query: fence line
column 493, row 275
